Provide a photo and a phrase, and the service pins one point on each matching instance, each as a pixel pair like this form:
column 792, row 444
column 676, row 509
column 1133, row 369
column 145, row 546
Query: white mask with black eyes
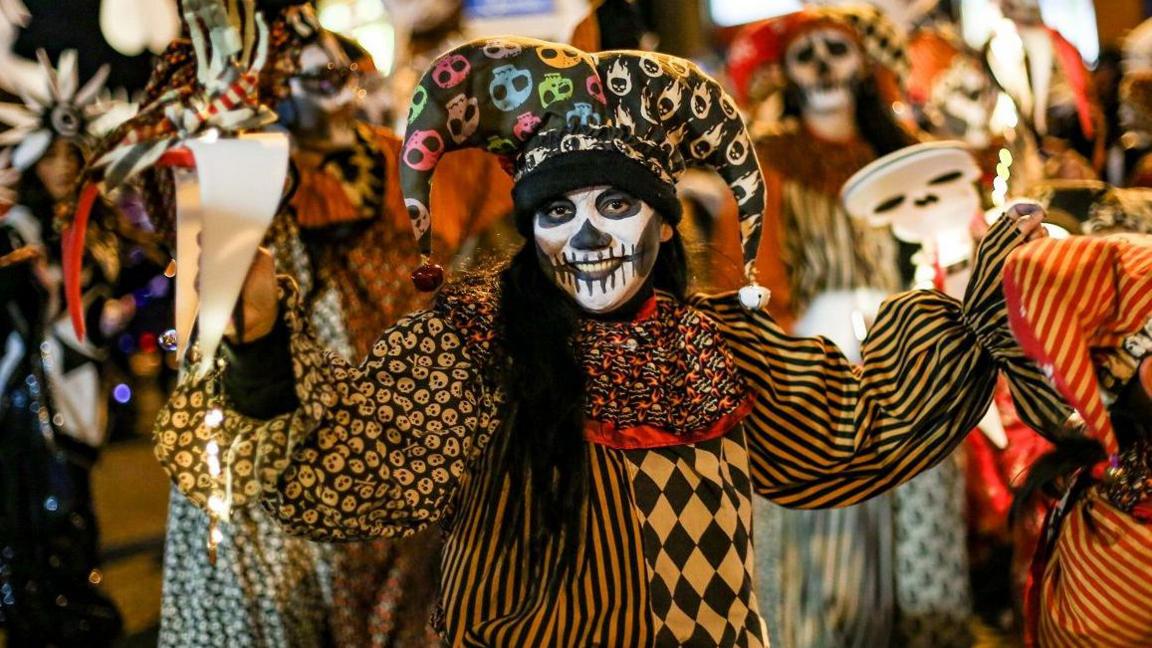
column 961, row 104
column 599, row 245
column 826, row 64
column 925, row 192
column 325, row 88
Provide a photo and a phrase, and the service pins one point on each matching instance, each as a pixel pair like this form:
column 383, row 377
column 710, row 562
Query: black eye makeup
column 946, row 178
column 836, row 48
column 555, row 213
column 890, row 204
column 617, row 204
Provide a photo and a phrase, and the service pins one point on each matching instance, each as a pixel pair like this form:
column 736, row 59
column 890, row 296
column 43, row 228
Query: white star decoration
column 58, row 107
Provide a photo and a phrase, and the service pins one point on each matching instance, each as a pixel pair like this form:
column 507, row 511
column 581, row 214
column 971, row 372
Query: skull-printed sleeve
column 826, row 433
column 377, row 449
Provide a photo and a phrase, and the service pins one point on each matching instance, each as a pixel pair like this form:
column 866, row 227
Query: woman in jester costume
column 586, row 435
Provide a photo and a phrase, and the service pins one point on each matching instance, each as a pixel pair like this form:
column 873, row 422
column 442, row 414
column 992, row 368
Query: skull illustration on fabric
column 825, row 64
column 599, row 245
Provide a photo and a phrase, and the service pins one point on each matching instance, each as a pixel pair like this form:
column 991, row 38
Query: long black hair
column 542, row 448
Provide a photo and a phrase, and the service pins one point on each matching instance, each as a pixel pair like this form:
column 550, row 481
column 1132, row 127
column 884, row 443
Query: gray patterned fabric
column 267, row 589
column 835, row 576
column 263, row 590
column 933, row 594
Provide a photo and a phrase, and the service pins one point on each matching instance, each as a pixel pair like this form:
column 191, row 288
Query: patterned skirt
column 265, row 589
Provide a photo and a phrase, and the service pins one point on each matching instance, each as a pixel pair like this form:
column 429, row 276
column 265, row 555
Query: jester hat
column 932, row 53
column 1094, row 206
column 1082, row 309
column 564, row 119
column 756, row 57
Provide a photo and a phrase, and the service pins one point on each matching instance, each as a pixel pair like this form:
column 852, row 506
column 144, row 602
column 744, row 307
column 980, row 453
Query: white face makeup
column 826, row 64
column 961, row 104
column 325, row 86
column 599, row 245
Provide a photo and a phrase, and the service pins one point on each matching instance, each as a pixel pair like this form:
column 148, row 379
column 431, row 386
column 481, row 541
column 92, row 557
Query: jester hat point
column 564, row 119
column 1082, row 309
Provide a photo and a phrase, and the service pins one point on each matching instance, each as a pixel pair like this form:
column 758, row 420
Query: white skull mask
column 826, row 64
column 325, row 88
column 961, row 104
column 599, row 245
column 927, row 193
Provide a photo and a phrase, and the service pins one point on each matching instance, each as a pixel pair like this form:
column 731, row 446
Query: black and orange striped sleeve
column 826, row 433
column 378, row 449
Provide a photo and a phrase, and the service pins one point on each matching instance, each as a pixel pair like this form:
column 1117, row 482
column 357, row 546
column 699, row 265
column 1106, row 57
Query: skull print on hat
column 536, row 103
column 599, row 245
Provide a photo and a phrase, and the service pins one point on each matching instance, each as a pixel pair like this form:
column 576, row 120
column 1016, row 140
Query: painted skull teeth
column 599, row 271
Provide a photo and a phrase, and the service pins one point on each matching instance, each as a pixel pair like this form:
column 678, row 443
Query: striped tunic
column 403, row 441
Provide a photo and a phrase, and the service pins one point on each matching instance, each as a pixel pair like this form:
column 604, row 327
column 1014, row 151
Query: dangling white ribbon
column 221, row 219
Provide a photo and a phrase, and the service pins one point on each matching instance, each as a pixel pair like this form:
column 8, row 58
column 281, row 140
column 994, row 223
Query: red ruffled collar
column 664, row 378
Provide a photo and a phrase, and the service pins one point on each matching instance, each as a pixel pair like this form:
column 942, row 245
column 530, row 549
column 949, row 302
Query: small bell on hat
column 754, row 297
column 429, row 276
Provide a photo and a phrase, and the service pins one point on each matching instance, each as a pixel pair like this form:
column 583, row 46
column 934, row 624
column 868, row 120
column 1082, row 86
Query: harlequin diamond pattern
column 695, row 521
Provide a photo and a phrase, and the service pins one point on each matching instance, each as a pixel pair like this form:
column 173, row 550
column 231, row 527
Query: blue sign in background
column 507, row 8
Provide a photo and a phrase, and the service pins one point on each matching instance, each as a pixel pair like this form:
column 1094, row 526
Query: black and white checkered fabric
column 883, row 40
column 696, row 525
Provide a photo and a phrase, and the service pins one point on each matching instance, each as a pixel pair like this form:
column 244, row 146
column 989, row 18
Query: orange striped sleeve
column 825, row 433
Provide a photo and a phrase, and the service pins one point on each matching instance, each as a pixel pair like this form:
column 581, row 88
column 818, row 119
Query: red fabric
column 989, row 497
column 1068, row 297
column 1073, row 66
column 646, row 437
column 1095, row 586
column 931, row 54
column 72, row 252
column 179, row 157
column 763, row 44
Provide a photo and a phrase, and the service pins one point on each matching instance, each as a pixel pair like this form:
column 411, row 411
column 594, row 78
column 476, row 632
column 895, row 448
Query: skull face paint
column 961, row 104
column 826, row 64
column 599, row 245
column 324, row 91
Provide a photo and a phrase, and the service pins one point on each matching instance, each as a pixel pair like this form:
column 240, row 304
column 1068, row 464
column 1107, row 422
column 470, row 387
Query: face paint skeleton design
column 325, row 89
column 599, row 245
column 826, row 64
column 961, row 104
